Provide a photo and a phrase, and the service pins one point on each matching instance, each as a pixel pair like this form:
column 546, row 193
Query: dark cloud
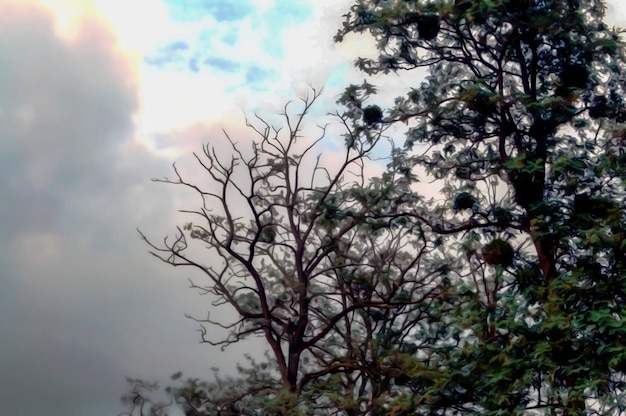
column 82, row 302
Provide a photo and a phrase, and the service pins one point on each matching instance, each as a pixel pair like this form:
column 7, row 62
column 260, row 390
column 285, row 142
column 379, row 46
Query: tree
column 300, row 254
column 521, row 120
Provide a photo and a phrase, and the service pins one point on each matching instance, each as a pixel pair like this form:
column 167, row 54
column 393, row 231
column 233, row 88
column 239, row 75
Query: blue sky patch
column 209, row 45
column 296, row 11
column 176, row 47
column 221, row 10
column 193, row 65
column 172, row 53
column 338, row 78
column 222, row 64
column 255, row 74
column 230, row 38
column 285, row 13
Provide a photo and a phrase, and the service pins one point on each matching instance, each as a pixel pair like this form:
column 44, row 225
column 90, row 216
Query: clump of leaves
column 464, row 200
column 428, row 27
column 502, row 215
column 372, row 114
column 477, row 99
column 575, row 76
column 597, row 208
column 498, row 252
column 412, row 18
column 599, row 107
column 463, row 5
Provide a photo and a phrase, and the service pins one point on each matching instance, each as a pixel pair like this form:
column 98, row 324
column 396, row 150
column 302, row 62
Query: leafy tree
column 138, row 400
column 302, row 257
column 521, row 121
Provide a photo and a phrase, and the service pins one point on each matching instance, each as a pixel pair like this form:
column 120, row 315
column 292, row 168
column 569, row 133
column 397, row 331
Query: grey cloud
column 82, row 302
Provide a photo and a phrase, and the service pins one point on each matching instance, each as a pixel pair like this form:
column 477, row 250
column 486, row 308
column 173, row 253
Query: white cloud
column 616, row 13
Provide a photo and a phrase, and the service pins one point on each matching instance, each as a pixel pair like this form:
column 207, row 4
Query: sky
column 96, row 98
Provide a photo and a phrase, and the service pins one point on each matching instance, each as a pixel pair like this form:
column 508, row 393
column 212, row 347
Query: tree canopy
column 521, row 121
column 298, row 251
column 503, row 294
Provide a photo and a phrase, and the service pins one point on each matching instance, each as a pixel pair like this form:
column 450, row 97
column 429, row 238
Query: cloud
column 79, row 294
column 616, row 13
column 66, row 105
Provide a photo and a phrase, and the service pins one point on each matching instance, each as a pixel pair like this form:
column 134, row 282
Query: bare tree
column 302, row 256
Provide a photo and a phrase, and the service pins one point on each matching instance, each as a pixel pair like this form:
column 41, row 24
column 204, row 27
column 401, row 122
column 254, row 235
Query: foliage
column 521, row 121
column 139, row 401
column 304, row 258
column 506, row 297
